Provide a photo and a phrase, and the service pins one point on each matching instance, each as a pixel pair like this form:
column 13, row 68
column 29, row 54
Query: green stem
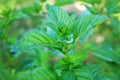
column 66, row 52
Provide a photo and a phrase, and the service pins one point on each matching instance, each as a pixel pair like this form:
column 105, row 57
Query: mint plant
column 61, row 33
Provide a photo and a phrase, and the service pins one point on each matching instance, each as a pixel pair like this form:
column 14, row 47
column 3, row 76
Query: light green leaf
column 61, row 65
column 77, row 59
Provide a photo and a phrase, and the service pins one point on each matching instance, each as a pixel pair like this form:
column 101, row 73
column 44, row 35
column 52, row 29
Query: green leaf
column 69, row 75
column 35, row 38
column 115, row 23
column 102, row 71
column 117, row 55
column 78, row 73
column 42, row 0
column 112, row 6
column 64, row 29
column 104, row 53
column 32, row 9
column 72, row 73
column 39, row 73
column 64, row 64
column 115, row 70
column 5, row 74
column 58, row 20
column 85, row 24
column 41, row 57
column 74, row 60
column 18, row 15
column 68, row 28
column 83, row 73
column 61, row 65
column 63, row 2
column 107, row 53
column 92, row 1
column 77, row 59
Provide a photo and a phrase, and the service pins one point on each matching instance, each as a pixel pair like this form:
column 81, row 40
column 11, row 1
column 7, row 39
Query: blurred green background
column 19, row 16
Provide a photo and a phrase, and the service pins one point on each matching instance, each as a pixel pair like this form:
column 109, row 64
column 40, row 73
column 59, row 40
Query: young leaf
column 77, row 59
column 58, row 20
column 61, row 65
column 65, row 25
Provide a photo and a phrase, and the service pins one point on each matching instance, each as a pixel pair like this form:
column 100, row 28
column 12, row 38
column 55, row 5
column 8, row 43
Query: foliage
column 64, row 32
column 36, row 74
column 59, row 45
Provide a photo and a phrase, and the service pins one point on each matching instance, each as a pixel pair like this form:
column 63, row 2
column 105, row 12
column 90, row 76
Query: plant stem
column 66, row 52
